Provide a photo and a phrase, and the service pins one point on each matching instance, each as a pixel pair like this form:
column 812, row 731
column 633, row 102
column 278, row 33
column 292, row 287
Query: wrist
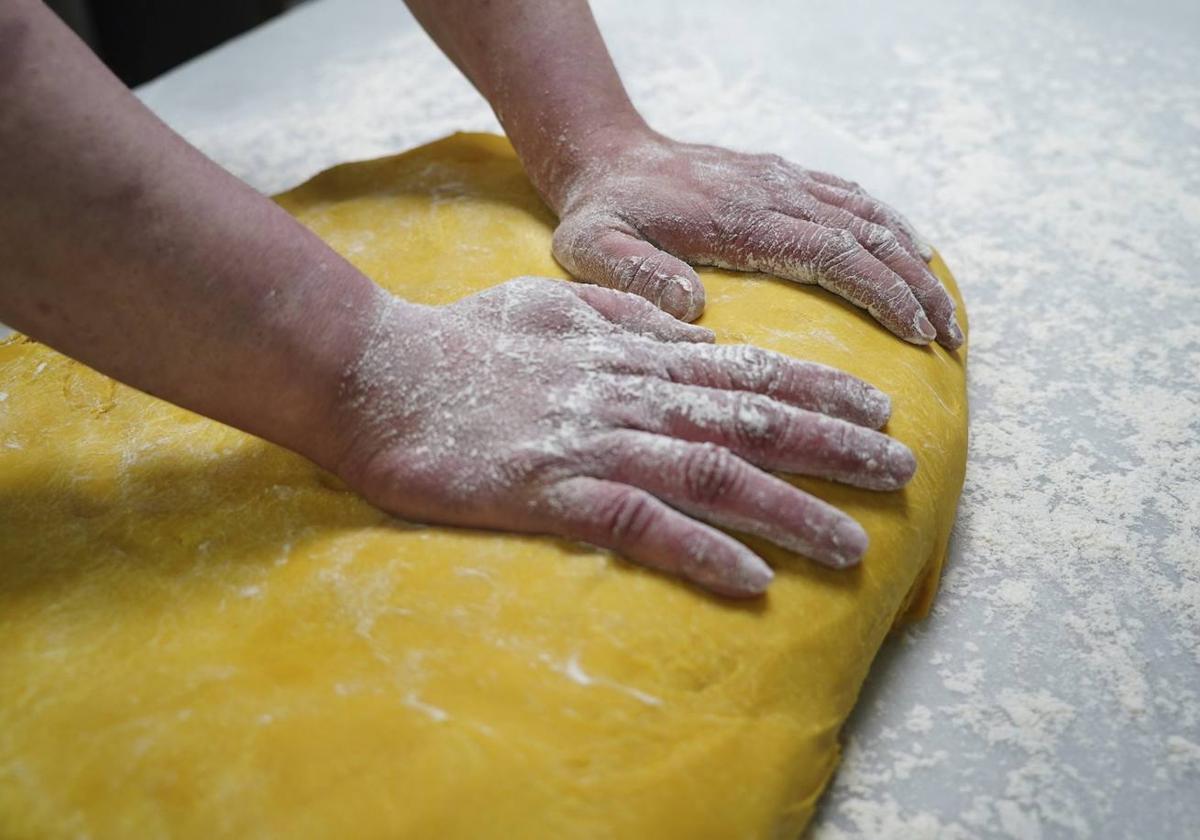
column 319, row 347
column 561, row 163
column 379, row 391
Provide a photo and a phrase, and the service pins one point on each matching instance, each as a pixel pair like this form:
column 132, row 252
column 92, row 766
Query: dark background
column 141, row 39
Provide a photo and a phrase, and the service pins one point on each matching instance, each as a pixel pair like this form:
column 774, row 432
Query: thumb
column 608, row 256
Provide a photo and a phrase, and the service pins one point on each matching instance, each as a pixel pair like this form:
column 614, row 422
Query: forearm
column 129, row 250
column 546, row 72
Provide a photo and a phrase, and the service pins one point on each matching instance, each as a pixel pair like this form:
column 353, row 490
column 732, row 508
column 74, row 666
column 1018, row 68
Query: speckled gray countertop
column 1052, row 152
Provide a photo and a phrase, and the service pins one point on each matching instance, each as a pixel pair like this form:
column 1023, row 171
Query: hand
column 633, row 214
column 562, row 408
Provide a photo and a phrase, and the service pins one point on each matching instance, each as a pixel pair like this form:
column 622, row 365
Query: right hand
column 552, row 407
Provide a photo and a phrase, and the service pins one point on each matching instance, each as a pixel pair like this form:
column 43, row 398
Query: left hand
column 545, row 406
column 631, row 217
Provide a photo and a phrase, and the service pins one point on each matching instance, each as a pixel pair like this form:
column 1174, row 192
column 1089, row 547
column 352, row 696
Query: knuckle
column 806, row 206
column 881, row 214
column 739, row 218
column 837, row 248
column 759, row 371
column 863, row 205
column 833, row 441
column 629, row 516
column 879, row 238
column 710, row 473
column 640, row 275
column 754, row 424
column 748, row 235
column 772, row 168
column 843, row 440
column 533, row 466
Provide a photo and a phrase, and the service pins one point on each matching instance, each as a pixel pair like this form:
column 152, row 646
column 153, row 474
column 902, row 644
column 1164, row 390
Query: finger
column 861, row 204
column 710, row 482
column 638, row 315
column 620, row 260
column 884, row 246
column 741, row 367
column 647, row 531
column 835, row 181
column 807, row 252
column 930, row 293
column 771, row 434
column 941, row 310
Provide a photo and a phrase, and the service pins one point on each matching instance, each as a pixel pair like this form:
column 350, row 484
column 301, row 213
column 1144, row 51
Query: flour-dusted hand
column 636, row 207
column 552, row 407
column 635, row 215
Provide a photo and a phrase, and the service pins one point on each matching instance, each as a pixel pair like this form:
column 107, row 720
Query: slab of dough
column 202, row 634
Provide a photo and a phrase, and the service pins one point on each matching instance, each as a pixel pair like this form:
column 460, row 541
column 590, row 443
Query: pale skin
column 129, row 250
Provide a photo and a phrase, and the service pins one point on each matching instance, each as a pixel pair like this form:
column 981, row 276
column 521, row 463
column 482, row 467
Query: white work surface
column 1053, row 154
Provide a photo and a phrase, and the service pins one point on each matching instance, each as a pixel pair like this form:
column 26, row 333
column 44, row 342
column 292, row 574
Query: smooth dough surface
column 202, row 634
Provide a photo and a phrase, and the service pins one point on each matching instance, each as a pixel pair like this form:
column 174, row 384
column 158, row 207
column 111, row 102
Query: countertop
column 1052, row 152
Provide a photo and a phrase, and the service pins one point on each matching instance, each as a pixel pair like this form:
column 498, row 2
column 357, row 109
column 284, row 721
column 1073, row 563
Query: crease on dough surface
column 206, row 634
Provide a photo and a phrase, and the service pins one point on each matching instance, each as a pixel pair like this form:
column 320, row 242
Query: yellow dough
column 204, row 635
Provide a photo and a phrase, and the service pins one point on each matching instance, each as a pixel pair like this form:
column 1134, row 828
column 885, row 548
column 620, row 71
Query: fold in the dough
column 202, row 634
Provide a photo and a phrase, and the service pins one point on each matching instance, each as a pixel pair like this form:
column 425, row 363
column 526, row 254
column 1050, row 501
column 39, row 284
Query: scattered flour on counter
column 920, row 719
column 1072, row 595
column 1183, row 755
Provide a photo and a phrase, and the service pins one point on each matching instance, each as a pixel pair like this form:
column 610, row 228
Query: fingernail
column 753, row 575
column 956, row 334
column 924, row 249
column 679, row 298
column 850, row 544
column 925, row 328
column 879, row 406
column 902, row 463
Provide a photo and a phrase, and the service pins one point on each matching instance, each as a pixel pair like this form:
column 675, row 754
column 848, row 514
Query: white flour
column 1055, row 160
